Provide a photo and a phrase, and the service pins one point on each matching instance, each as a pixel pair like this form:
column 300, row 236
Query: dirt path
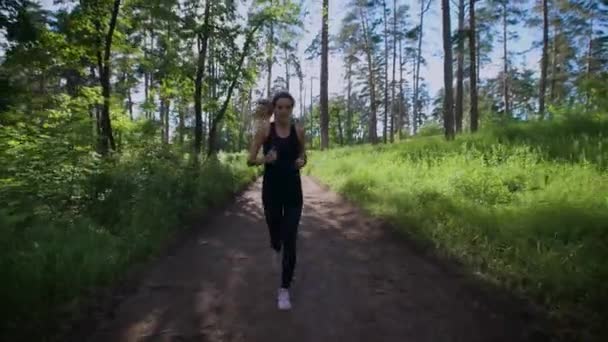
column 354, row 282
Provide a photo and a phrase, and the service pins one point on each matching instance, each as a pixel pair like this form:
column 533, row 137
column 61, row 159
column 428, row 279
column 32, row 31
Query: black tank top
column 282, row 178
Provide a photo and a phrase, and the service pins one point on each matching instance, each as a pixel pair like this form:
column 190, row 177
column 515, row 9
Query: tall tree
column 544, row 61
column 105, row 73
column 202, row 41
column 510, row 14
column 474, row 115
column 424, row 7
column 270, row 42
column 348, row 43
column 369, row 53
column 505, row 75
column 448, row 100
column 237, row 74
column 460, row 68
column 324, row 77
column 386, row 111
column 393, row 103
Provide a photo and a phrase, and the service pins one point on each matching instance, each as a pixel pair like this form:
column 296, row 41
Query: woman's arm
column 302, row 140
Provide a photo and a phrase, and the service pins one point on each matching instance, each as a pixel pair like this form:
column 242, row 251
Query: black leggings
column 283, row 221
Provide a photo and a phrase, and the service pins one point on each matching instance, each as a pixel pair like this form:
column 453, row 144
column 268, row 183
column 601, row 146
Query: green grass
column 523, row 205
column 80, row 223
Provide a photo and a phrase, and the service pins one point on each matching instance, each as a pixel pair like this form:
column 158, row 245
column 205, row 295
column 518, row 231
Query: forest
column 123, row 120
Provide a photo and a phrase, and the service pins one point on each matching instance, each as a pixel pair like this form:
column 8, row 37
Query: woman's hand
column 300, row 162
column 270, row 157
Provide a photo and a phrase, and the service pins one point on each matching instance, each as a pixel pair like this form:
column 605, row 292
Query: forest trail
column 355, row 281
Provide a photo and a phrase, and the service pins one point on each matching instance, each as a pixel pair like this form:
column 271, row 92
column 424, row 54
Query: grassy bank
column 71, row 222
column 525, row 205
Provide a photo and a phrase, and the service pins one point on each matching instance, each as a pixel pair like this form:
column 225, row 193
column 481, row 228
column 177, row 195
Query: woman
column 284, row 154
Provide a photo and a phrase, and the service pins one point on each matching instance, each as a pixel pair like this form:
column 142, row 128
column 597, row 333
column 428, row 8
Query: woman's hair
column 283, row 95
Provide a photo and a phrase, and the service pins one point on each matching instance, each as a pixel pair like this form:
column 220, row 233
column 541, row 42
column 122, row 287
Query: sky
column 432, row 47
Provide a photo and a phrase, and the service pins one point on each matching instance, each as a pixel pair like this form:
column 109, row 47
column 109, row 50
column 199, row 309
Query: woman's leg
column 274, row 215
column 289, row 233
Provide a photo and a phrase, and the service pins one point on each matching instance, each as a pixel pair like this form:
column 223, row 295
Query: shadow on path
column 354, row 282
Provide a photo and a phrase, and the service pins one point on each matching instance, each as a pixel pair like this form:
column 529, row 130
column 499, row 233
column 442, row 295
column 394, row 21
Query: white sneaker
column 283, row 300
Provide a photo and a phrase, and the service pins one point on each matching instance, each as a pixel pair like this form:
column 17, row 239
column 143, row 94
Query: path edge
column 100, row 304
column 491, row 293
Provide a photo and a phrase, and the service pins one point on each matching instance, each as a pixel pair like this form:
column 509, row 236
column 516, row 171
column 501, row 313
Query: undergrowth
column 524, row 205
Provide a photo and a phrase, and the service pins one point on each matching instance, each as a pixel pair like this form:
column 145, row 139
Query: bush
column 430, row 129
column 72, row 222
column 514, row 203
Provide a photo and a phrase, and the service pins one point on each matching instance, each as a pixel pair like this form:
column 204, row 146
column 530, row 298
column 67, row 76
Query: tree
column 394, row 106
column 202, row 36
column 269, row 51
column 473, row 68
column 424, row 7
column 460, row 69
column 236, row 76
column 386, row 110
column 324, row 77
column 347, row 41
column 358, row 35
column 448, row 102
column 505, row 82
column 510, row 14
column 105, row 72
column 368, row 48
column 544, row 61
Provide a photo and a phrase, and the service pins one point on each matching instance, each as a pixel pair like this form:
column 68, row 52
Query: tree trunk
column 448, row 107
column 94, row 109
column 393, row 104
column 311, row 116
column 302, row 98
column 107, row 138
column 130, row 103
column 340, row 129
column 505, row 80
column 385, row 130
column 246, row 119
column 243, row 120
column 146, row 76
column 400, row 115
column 552, row 95
column 286, row 69
column 324, row 113
column 460, row 71
column 182, row 119
column 544, row 62
column 589, row 58
column 212, row 142
column 162, row 119
column 166, row 121
column 373, row 135
column 269, row 59
column 198, row 84
column 472, row 51
column 478, row 47
column 146, row 92
column 349, row 113
column 416, row 107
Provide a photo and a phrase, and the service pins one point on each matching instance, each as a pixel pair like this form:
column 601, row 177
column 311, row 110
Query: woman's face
column 283, row 109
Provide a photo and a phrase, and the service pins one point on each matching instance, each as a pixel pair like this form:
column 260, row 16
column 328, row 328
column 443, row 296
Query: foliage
column 523, row 204
column 72, row 222
column 430, row 129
